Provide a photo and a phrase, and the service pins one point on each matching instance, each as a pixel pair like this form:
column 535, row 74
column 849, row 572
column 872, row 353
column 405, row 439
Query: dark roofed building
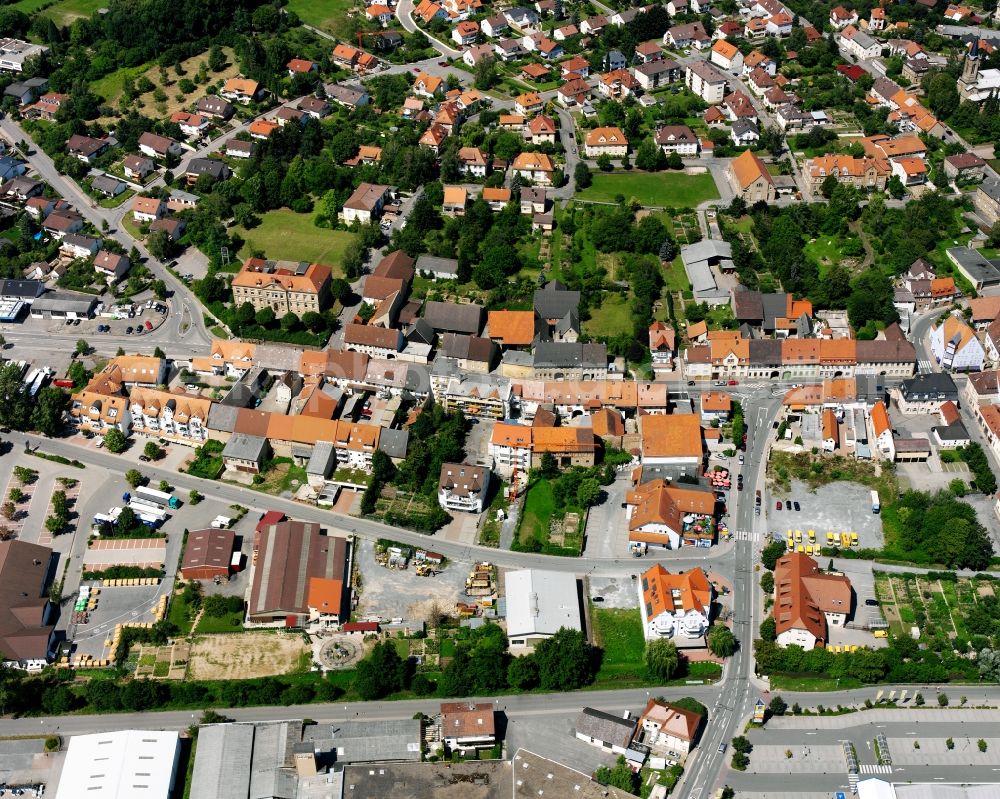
column 473, row 352
column 553, row 302
column 606, row 730
column 454, row 317
column 301, row 577
column 213, row 167
column 208, row 554
column 748, row 306
column 25, row 612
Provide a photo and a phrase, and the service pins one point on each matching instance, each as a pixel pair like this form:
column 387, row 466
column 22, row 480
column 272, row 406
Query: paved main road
column 364, row 528
column 740, row 689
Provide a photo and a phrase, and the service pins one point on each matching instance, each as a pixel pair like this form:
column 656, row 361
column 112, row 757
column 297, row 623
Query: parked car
column 690, row 382
column 796, row 506
column 872, row 603
column 734, row 382
column 149, row 325
column 128, row 330
column 777, row 505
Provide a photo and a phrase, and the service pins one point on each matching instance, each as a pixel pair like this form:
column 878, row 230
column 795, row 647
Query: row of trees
column 482, row 665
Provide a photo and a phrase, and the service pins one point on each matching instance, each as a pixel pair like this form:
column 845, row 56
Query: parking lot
column 837, row 507
column 118, row 605
column 24, row 764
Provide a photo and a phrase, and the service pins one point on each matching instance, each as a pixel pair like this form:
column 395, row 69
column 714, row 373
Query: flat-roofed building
column 126, row 764
column 539, row 604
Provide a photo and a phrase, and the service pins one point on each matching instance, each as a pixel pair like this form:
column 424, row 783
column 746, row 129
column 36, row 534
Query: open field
column 665, row 189
column 284, row 234
column 110, row 86
column 62, row 13
column 320, row 13
column 619, row 633
column 539, row 505
column 612, row 318
column 252, row 654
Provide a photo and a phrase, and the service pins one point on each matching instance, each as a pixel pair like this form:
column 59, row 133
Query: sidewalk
column 911, row 715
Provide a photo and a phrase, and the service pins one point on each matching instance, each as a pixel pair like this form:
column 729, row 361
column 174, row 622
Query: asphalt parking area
column 836, row 508
column 116, row 605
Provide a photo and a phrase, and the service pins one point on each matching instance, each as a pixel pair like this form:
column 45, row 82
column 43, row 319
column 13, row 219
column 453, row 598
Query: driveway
column 607, row 530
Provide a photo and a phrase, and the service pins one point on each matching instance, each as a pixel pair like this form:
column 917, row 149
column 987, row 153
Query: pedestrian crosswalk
column 871, row 768
column 745, row 535
column 925, row 366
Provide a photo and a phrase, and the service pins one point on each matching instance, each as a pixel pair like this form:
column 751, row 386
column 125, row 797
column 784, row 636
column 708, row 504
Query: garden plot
column 251, row 654
column 940, row 608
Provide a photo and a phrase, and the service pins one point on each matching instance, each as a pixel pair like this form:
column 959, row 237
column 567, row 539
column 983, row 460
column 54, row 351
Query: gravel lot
column 390, row 594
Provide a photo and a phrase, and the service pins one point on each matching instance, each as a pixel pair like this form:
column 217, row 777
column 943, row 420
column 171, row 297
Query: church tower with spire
column 970, row 71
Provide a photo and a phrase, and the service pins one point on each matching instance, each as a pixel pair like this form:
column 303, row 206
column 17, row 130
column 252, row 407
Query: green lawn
column 230, row 623
column 68, row 10
column 286, row 235
column 539, row 505
column 619, row 634
column 664, row 189
column 612, row 318
column 320, row 13
column 111, row 85
column 805, row 682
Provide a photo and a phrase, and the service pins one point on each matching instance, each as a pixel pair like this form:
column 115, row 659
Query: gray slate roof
column 555, row 301
column 556, row 354
column 454, row 317
column 606, row 727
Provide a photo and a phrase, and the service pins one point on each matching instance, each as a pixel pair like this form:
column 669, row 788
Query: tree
column 8, row 510
column 604, row 162
column 564, row 661
column 588, row 492
column 648, row 157
column 943, row 699
column 895, row 188
column 194, row 497
column 582, row 176
column 522, row 673
column 115, row 441
column 768, row 629
column 47, row 415
column 829, row 184
column 668, row 249
column 486, row 75
column 777, row 706
column 152, row 451
column 662, row 659
column 289, row 322
column 134, row 477
column 216, row 59
column 381, row 673
column 767, row 582
column 918, row 700
column 942, row 94
column 742, row 744
column 772, row 140
column 770, row 554
column 82, row 347
column 264, row 317
column 126, row 521
column 721, row 641
column 620, row 776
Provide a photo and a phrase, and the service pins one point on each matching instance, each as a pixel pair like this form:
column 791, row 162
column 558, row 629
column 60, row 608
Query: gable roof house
column 85, row 148
column 675, row 605
column 668, row 730
column 467, row 726
column 750, row 178
column 807, row 602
